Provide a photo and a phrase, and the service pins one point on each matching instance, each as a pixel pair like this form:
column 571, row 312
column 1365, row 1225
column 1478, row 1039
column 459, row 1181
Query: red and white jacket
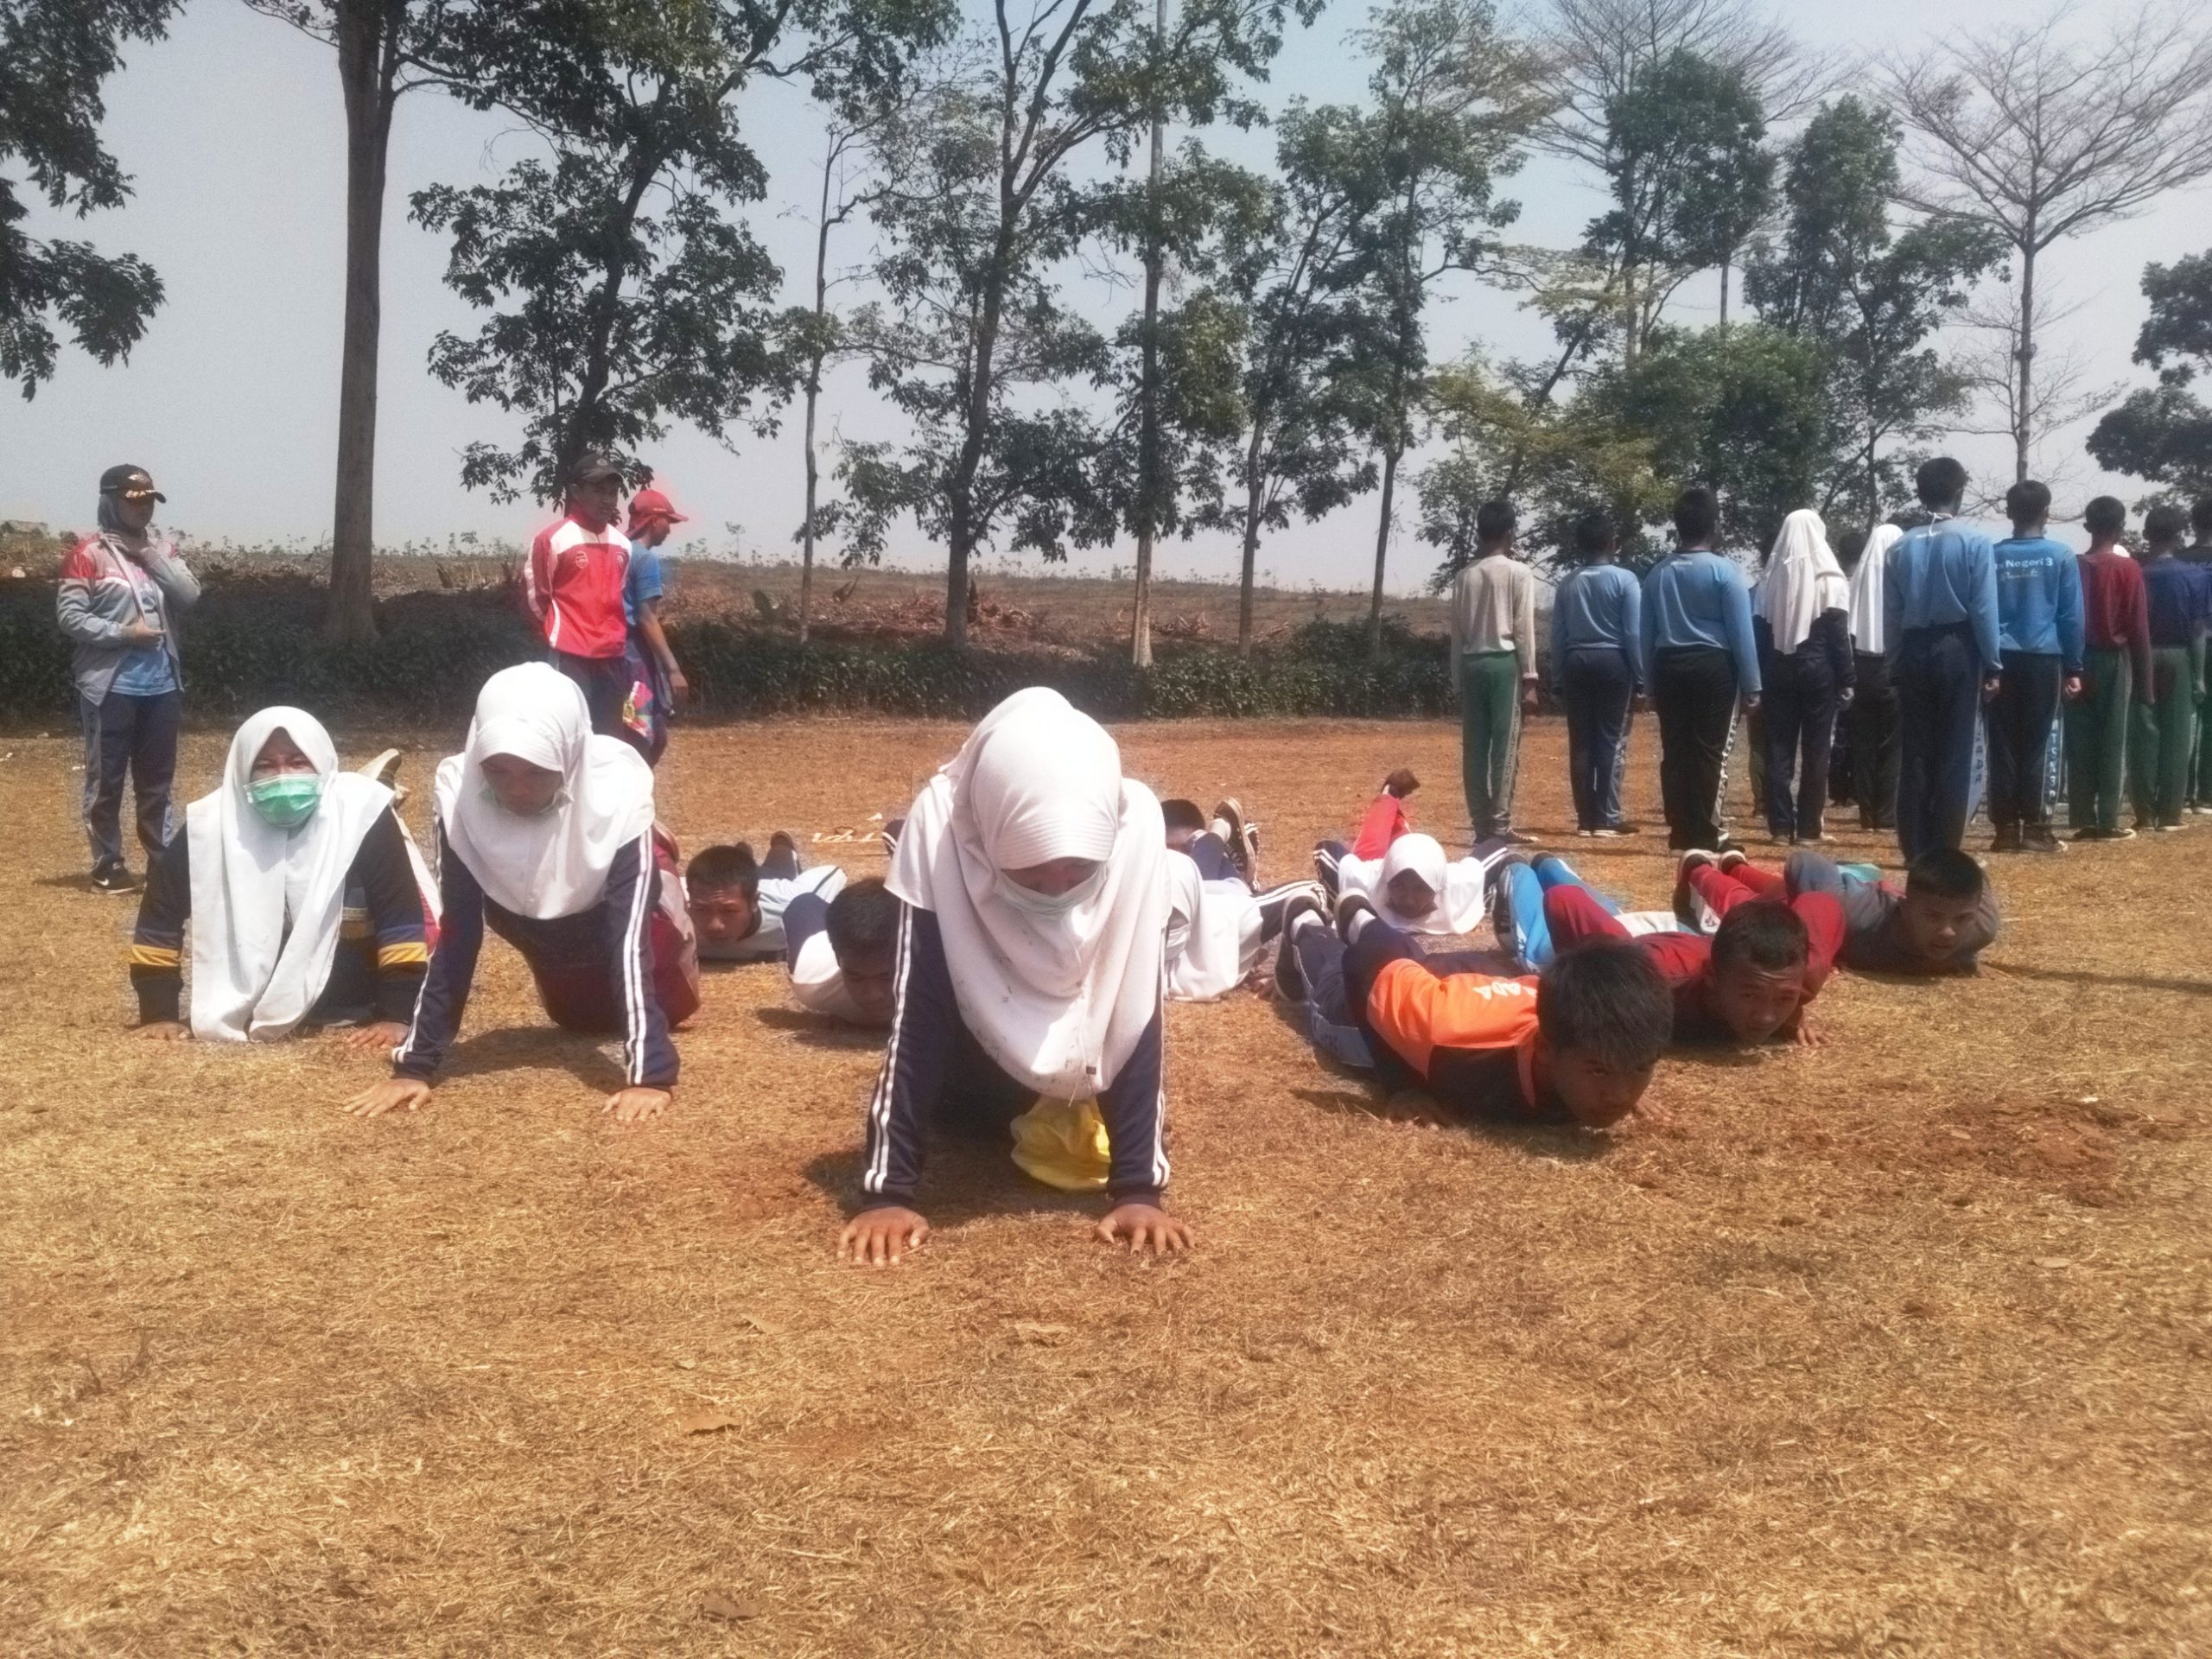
column 573, row 581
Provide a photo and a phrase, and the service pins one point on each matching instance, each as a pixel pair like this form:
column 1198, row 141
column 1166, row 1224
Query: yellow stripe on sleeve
column 402, row 956
column 152, row 955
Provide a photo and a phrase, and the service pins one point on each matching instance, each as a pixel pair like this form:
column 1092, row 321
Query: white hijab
column 1059, row 1000
column 1867, row 589
column 1803, row 580
column 266, row 903
column 1213, row 932
column 1459, row 885
column 555, row 864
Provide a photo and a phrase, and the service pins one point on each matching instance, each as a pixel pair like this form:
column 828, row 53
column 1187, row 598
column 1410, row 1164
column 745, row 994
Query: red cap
column 648, row 505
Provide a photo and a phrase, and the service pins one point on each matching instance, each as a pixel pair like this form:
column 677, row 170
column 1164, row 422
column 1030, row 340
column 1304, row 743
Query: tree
column 2164, row 434
column 1874, row 297
column 635, row 300
column 1293, row 278
column 54, row 56
column 987, row 205
column 1453, row 99
column 2040, row 140
column 1688, row 181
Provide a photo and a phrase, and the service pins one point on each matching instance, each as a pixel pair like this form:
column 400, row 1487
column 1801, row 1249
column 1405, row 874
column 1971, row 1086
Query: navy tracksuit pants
column 1596, row 685
column 1939, row 700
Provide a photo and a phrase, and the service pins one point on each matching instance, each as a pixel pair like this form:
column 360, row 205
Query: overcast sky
column 233, row 132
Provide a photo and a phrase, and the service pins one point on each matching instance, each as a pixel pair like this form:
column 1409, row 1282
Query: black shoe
column 1241, row 844
column 2008, row 839
column 113, row 878
column 1290, row 977
column 1509, row 838
column 1348, row 905
column 2038, row 838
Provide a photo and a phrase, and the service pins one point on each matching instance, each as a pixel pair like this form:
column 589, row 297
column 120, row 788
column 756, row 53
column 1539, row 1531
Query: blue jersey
column 1698, row 598
column 2039, row 599
column 1599, row 605
column 1941, row 575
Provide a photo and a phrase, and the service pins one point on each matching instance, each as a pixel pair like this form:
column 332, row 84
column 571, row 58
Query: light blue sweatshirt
column 2039, row 599
column 1599, row 605
column 1941, row 575
column 1698, row 598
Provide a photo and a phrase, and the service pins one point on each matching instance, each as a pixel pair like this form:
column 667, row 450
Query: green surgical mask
column 288, row 800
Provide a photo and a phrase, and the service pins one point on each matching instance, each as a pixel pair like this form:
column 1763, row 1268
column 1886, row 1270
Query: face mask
column 490, row 798
column 1047, row 904
column 288, row 800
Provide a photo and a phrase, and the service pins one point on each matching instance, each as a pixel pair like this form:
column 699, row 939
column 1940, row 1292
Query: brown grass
column 1897, row 1348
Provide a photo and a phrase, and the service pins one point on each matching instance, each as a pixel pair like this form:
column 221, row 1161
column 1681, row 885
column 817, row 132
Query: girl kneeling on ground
column 1028, row 963
column 303, row 900
column 545, row 833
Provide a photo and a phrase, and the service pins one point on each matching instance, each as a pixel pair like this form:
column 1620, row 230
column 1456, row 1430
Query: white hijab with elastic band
column 1868, row 582
column 267, row 903
column 1459, row 884
column 1058, row 998
column 553, row 864
column 1803, row 580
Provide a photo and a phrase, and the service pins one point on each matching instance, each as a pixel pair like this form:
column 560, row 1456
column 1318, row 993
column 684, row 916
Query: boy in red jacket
column 574, row 584
column 2115, row 672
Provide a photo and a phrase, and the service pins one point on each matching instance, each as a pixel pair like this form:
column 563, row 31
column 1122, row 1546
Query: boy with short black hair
column 1576, row 1046
column 1749, row 981
column 738, row 903
column 2162, row 745
column 2039, row 634
column 1493, row 625
column 2115, row 673
column 1941, row 627
column 1596, row 634
column 841, row 953
column 1941, row 922
column 1702, row 663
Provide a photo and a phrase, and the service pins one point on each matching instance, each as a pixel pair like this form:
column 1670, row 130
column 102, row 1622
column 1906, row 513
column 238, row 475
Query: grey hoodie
column 96, row 600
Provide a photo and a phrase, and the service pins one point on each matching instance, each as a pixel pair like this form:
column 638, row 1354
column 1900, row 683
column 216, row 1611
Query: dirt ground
column 1895, row 1348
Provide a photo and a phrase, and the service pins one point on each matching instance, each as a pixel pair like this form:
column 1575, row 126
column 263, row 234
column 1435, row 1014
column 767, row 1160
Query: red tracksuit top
column 574, row 582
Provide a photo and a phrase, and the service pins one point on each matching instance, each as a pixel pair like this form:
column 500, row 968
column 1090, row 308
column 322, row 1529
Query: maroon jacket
column 2115, row 612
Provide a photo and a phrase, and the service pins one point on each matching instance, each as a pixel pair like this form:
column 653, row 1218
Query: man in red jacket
column 2115, row 672
column 574, row 581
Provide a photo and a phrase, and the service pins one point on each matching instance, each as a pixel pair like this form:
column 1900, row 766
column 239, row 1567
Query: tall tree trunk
column 1381, row 554
column 2025, row 352
column 367, row 74
column 1254, row 488
column 1148, row 491
column 1725, row 261
column 814, row 396
column 607, row 310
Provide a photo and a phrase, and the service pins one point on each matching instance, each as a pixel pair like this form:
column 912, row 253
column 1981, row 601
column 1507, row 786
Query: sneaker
column 1586, row 835
column 2007, row 839
column 1290, row 978
column 2122, row 834
column 113, row 878
column 1687, row 909
column 889, row 835
column 1241, row 844
column 2169, row 828
column 1733, row 857
column 2038, row 838
column 1509, row 838
column 384, row 769
column 1349, row 904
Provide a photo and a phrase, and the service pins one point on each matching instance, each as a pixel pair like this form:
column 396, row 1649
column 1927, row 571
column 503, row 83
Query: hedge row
column 436, row 650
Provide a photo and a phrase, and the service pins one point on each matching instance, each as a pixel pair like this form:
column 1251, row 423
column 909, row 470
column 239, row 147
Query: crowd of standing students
column 1949, row 669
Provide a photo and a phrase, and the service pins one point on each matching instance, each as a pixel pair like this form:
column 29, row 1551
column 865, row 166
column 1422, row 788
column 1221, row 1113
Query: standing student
column 1872, row 717
column 1940, row 620
column 1597, row 632
column 1029, row 965
column 294, row 879
column 1804, row 627
column 2115, row 672
column 2039, row 632
column 574, row 582
column 121, row 590
column 658, row 685
column 2164, row 734
column 1702, row 663
column 2199, row 553
column 1494, row 659
column 545, row 835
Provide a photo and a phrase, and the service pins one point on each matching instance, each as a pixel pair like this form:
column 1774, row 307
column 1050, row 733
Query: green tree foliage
column 1689, row 181
column 54, row 56
column 2163, row 434
column 623, row 295
column 1874, row 298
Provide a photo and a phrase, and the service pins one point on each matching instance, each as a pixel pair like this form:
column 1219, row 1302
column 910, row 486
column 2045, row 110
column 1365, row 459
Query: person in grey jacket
column 121, row 590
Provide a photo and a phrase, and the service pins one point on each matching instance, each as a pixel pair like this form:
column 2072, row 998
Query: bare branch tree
column 2059, row 392
column 1593, row 48
column 2042, row 139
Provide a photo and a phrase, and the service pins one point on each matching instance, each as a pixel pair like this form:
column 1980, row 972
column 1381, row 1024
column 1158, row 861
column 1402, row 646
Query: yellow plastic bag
column 1062, row 1143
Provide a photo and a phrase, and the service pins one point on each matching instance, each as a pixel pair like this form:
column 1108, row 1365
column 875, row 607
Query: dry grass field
column 1899, row 1347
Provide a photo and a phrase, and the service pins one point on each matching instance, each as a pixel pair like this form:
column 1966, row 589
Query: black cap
column 592, row 468
column 130, row 480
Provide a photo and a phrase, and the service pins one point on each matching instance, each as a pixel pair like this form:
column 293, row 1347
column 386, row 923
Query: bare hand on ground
column 636, row 1105
column 165, row 1030
column 882, row 1237
column 392, row 1095
column 1144, row 1227
column 377, row 1033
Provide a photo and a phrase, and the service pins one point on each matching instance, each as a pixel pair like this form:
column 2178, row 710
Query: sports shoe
column 2007, row 839
column 1609, row 829
column 113, row 878
column 1688, row 910
column 2169, row 828
column 2038, row 838
column 1290, row 977
column 1509, row 838
column 1733, row 857
column 1348, row 905
column 384, row 769
column 1242, row 846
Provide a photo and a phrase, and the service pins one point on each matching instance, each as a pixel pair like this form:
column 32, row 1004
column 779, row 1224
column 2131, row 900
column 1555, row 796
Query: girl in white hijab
column 1028, row 964
column 1413, row 887
column 302, row 898
column 1803, row 624
column 1872, row 715
column 545, row 834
